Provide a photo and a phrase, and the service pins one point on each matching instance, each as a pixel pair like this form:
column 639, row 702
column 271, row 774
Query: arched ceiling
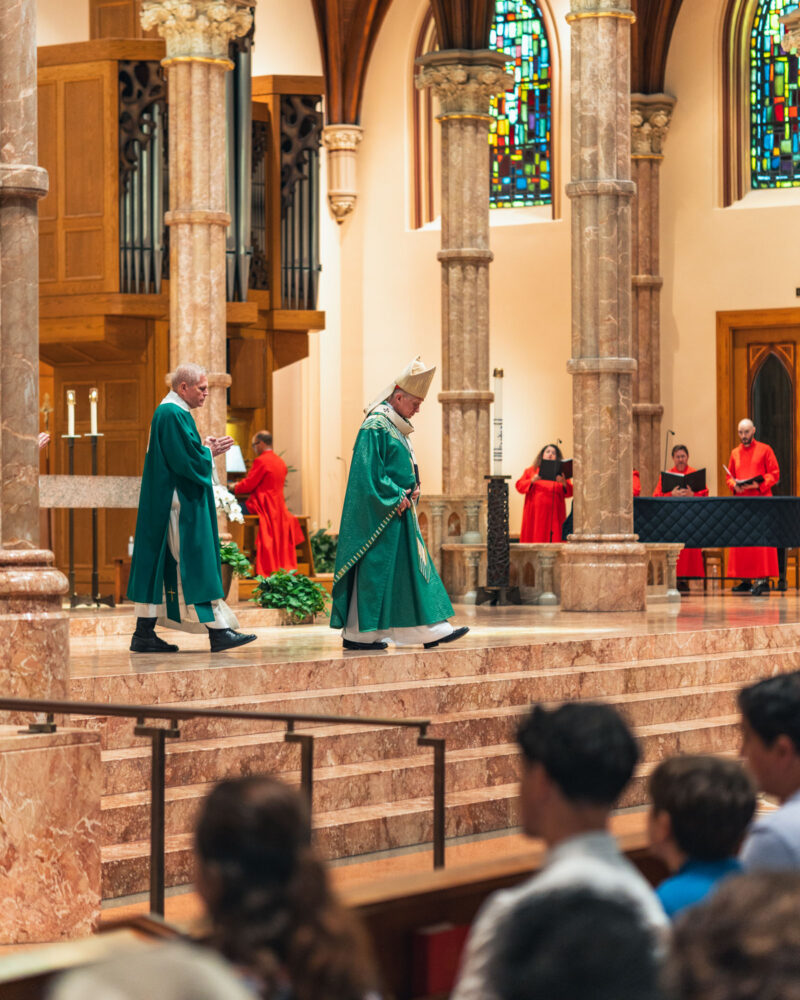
column 348, row 29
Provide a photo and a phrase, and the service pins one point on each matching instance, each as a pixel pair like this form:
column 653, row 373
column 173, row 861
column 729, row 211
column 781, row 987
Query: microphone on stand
column 666, row 447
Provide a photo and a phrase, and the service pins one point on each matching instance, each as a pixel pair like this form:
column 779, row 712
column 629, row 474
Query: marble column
column 604, row 567
column 34, row 633
column 464, row 82
column 650, row 118
column 197, row 33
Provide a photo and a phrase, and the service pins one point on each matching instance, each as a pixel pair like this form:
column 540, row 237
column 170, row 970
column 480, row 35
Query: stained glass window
column 520, row 131
column 774, row 135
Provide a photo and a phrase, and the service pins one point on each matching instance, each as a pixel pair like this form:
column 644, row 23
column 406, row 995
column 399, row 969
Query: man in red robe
column 690, row 561
column 752, row 458
column 278, row 530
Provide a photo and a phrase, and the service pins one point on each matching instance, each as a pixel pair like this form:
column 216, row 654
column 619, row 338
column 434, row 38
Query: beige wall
column 62, row 21
column 713, row 258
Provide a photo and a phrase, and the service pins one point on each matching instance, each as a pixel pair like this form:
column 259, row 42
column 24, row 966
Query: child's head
column 700, row 805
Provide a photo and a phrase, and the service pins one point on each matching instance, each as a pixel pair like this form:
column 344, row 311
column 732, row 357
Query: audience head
column 268, row 896
column 771, row 732
column 551, row 452
column 743, row 943
column 701, row 808
column 190, row 381
column 262, row 441
column 574, row 944
column 577, row 758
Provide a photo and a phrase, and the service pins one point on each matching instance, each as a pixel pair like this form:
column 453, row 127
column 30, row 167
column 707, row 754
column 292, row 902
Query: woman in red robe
column 278, row 530
column 545, row 500
column 690, row 561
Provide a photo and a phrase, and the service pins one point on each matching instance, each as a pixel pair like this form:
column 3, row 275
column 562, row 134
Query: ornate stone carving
column 651, row 115
column 464, row 82
column 197, row 28
column 791, row 31
column 342, row 142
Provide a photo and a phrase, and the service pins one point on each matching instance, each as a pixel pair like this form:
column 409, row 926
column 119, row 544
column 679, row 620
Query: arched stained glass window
column 774, row 133
column 522, row 118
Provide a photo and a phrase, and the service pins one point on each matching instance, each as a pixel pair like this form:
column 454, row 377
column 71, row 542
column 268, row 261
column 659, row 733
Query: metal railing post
column 158, row 787
column 438, row 745
column 306, row 741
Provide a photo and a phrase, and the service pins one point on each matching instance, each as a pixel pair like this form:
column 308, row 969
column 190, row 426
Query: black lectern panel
column 718, row 522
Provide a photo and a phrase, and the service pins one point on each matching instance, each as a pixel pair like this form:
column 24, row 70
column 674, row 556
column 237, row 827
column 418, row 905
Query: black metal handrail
column 159, row 734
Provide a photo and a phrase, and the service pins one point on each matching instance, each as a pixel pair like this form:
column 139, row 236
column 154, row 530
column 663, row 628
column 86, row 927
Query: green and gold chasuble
column 176, row 461
column 398, row 585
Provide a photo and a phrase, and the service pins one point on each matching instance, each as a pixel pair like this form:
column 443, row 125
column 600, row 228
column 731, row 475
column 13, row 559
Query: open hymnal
column 696, row 481
column 551, row 468
column 752, row 481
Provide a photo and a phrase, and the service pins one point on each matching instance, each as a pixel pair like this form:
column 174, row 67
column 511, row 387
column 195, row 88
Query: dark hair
column 273, row 911
column 679, row 447
column 743, row 943
column 537, row 462
column 772, row 708
column 264, row 437
column 574, row 944
column 710, row 802
column 586, row 748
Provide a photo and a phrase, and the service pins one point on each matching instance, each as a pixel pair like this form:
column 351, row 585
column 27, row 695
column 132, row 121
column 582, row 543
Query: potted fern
column 299, row 597
column 233, row 563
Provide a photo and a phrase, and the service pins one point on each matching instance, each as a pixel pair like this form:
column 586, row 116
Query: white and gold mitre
column 415, row 379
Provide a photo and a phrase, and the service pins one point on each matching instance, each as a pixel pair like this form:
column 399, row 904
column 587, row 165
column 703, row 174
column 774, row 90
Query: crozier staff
column 385, row 586
column 545, row 500
column 690, row 561
column 175, row 576
column 752, row 471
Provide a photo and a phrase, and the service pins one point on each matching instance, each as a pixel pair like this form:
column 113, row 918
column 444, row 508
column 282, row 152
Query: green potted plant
column 323, row 548
column 233, row 563
column 300, row 597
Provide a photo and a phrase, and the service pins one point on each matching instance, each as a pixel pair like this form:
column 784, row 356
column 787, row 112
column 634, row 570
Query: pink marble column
column 650, row 118
column 604, row 567
column 34, row 634
column 197, row 33
column 464, row 82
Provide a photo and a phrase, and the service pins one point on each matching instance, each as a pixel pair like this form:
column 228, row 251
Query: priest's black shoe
column 349, row 644
column 145, row 640
column 745, row 587
column 455, row 634
column 760, row 588
column 227, row 638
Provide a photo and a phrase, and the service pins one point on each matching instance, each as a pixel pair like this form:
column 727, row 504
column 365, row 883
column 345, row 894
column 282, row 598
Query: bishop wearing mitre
column 385, row 586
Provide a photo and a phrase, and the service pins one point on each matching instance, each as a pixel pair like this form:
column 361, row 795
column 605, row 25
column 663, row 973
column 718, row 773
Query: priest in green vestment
column 175, row 578
column 385, row 586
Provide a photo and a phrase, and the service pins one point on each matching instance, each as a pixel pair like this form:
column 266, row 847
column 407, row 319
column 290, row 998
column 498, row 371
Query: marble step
column 190, row 761
column 120, row 622
column 504, row 688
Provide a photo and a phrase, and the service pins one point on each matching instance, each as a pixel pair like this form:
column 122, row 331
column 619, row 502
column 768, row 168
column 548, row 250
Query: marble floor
column 95, row 655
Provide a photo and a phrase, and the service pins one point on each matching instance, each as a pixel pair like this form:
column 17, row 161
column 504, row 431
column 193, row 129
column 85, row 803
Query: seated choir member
column 690, row 561
column 545, row 500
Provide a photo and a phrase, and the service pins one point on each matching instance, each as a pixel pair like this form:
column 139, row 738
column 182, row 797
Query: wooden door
column 757, row 377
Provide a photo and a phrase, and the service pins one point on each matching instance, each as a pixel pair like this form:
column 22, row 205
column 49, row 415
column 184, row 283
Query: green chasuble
column 398, row 585
column 176, row 461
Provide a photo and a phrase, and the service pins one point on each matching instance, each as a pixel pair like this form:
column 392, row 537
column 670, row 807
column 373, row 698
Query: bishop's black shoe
column 227, row 638
column 455, row 634
column 745, row 587
column 760, row 588
column 349, row 644
column 145, row 640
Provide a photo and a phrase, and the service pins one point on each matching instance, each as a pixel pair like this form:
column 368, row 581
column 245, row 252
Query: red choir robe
column 690, row 561
column 545, row 507
column 753, row 563
column 278, row 530
column 637, row 484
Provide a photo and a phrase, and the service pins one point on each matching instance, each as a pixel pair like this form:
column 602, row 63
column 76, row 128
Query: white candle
column 497, row 444
column 70, row 413
column 93, row 410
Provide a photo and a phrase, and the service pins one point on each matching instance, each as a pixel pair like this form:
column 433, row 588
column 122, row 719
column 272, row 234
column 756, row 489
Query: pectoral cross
column 171, row 594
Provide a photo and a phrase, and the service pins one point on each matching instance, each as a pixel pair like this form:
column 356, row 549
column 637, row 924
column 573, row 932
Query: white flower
column 227, row 502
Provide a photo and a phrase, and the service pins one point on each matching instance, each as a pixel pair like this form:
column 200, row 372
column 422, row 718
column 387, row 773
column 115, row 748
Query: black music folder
column 696, row 480
column 553, row 467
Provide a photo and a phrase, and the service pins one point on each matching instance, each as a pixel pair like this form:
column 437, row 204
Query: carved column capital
column 651, row 115
column 791, row 31
column 198, row 29
column 342, row 142
column 464, row 81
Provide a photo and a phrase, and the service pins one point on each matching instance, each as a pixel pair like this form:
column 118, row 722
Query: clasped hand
column 683, row 491
column 407, row 500
column 218, row 445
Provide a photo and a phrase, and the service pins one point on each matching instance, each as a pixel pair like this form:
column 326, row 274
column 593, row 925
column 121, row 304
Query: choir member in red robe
column 545, row 500
column 690, row 561
column 752, row 458
column 637, row 483
column 278, row 530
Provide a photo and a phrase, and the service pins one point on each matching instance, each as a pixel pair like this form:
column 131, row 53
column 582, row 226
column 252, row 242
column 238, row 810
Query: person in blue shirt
column 701, row 808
